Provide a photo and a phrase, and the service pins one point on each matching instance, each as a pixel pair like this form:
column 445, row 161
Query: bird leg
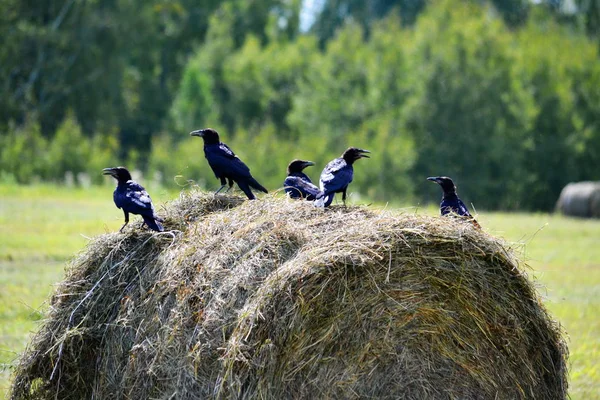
column 221, row 188
column 223, row 184
column 344, row 196
column 126, row 220
column 230, row 185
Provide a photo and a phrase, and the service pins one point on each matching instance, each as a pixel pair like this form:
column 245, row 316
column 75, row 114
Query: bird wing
column 455, row 206
column 224, row 162
column 448, row 207
column 305, row 177
column 336, row 176
column 297, row 186
column 462, row 209
column 226, row 150
column 133, row 198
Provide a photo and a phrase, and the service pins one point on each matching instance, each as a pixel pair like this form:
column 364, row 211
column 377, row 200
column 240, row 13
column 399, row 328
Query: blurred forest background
column 502, row 95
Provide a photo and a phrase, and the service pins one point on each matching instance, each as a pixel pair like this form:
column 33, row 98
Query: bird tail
column 246, row 189
column 254, row 183
column 475, row 223
column 314, row 195
column 323, row 200
column 154, row 223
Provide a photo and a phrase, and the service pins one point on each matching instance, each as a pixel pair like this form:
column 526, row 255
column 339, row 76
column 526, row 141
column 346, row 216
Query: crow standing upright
column 337, row 175
column 297, row 184
column 131, row 197
column 451, row 203
column 226, row 165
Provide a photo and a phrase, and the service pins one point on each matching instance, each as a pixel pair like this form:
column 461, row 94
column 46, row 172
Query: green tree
column 560, row 70
column 114, row 63
column 589, row 13
column 263, row 80
column 352, row 96
column 70, row 151
column 336, row 13
column 331, row 99
column 468, row 113
column 194, row 106
column 23, row 152
column 514, row 12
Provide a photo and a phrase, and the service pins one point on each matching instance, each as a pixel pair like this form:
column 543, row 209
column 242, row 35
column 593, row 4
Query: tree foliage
column 116, row 63
column 460, row 94
column 469, row 109
column 504, row 96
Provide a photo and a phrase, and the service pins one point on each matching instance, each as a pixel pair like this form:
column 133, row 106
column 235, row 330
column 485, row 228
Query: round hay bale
column 278, row 299
column 595, row 203
column 580, row 199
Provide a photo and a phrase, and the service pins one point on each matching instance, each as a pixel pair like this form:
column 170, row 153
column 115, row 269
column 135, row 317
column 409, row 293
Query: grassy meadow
column 43, row 226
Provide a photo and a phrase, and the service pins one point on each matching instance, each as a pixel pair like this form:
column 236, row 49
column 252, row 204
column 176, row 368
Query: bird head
column 209, row 135
column 121, row 174
column 298, row 165
column 445, row 182
column 353, row 154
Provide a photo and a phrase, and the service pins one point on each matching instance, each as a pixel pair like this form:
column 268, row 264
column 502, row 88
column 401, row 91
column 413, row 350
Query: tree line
column 502, row 96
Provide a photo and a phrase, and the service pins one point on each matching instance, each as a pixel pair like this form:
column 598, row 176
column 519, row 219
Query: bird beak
column 199, row 133
column 362, row 155
column 433, row 179
column 108, row 171
column 308, row 164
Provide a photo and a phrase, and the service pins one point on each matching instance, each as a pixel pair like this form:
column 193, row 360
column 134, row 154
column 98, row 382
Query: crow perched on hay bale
column 451, row 203
column 278, row 299
column 226, row 165
column 580, row 199
column 297, row 184
column 131, row 197
column 337, row 175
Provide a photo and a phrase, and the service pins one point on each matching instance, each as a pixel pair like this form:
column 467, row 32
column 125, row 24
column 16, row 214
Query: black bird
column 337, row 175
column 131, row 197
column 226, row 165
column 297, row 184
column 451, row 203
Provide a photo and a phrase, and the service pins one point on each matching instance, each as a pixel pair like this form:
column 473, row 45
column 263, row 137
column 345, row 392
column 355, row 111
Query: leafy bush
column 23, row 153
column 27, row 156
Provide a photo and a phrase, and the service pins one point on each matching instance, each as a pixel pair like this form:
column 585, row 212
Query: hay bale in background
column 278, row 299
column 580, row 199
column 595, row 203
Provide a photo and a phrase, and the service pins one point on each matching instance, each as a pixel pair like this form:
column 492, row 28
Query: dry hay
column 278, row 299
column 580, row 199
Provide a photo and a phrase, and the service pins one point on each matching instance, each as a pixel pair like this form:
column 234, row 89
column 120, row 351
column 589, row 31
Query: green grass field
column 42, row 227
